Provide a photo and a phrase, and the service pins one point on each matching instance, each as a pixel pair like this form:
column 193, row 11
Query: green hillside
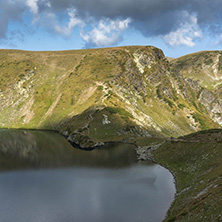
column 195, row 161
column 204, row 67
column 99, row 95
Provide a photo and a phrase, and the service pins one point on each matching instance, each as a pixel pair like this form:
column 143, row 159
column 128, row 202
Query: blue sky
column 177, row 27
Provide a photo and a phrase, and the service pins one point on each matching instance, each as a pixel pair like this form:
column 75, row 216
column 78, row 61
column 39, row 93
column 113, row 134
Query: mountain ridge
column 108, row 94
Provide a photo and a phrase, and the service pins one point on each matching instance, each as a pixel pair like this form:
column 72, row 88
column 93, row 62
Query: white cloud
column 72, row 23
column 107, row 33
column 219, row 40
column 53, row 23
column 33, row 6
column 186, row 34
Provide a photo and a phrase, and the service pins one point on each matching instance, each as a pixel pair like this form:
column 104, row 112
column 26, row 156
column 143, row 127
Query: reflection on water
column 103, row 185
column 32, row 148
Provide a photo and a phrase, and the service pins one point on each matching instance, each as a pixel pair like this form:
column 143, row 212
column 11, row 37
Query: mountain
column 204, row 67
column 98, row 95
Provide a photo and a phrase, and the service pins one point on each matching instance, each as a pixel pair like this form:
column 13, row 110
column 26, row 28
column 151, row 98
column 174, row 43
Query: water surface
column 105, row 184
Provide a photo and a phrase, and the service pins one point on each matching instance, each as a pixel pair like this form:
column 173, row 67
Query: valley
column 171, row 109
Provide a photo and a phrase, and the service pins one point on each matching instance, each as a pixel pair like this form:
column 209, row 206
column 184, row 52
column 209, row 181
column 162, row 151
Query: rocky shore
column 145, row 152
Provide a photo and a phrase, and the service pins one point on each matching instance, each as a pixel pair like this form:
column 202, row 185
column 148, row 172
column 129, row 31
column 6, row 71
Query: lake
column 44, row 179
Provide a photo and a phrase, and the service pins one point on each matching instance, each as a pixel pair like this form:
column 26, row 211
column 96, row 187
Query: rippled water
column 102, row 185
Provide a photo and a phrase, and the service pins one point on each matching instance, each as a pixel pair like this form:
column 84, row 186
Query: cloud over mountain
column 177, row 22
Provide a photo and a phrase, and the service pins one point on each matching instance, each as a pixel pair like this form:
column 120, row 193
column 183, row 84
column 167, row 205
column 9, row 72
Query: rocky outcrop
column 145, row 152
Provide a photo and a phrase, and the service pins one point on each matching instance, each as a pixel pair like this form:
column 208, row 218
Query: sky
column 178, row 27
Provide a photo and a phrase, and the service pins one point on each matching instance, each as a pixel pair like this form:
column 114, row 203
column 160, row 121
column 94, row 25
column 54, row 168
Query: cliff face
column 98, row 95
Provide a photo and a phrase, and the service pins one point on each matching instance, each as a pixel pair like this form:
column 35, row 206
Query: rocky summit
column 113, row 94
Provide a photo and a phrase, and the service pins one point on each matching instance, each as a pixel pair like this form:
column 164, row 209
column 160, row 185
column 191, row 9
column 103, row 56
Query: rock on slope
column 98, row 95
column 205, row 68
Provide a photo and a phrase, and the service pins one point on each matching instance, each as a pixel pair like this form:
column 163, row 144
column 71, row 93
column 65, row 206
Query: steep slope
column 204, row 68
column 101, row 95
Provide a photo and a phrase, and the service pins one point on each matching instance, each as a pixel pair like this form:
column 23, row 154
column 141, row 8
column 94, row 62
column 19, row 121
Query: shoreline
column 143, row 153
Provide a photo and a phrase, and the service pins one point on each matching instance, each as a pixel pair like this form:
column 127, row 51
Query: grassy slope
column 204, row 67
column 196, row 164
column 57, row 88
column 47, row 89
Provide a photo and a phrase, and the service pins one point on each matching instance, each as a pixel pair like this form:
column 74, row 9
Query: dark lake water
column 45, row 179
